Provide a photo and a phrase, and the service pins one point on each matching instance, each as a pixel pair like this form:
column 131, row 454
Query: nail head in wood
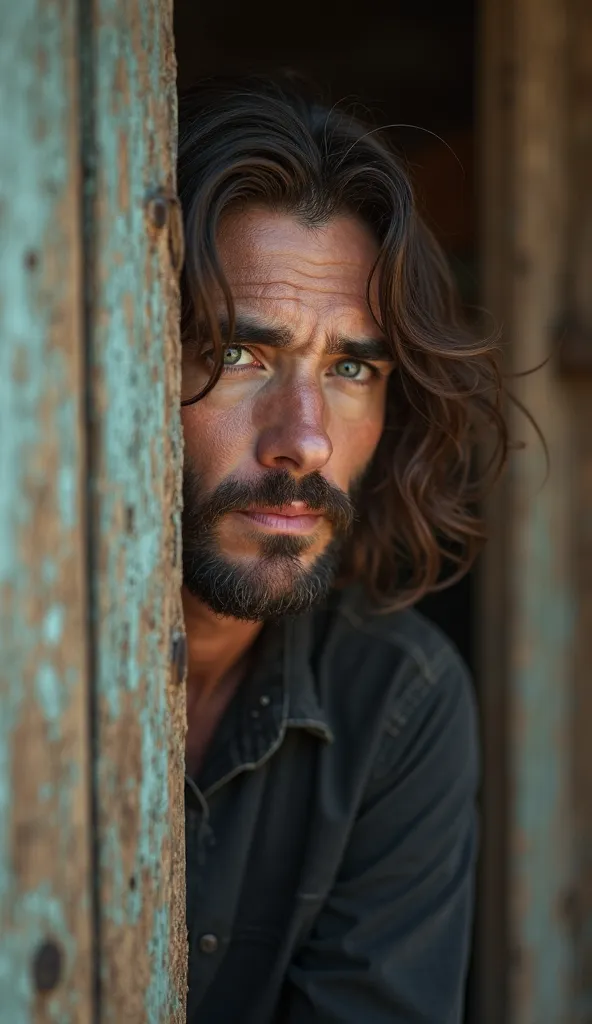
column 158, row 211
column 47, row 966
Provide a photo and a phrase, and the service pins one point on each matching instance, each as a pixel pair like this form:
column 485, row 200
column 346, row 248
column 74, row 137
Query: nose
column 293, row 432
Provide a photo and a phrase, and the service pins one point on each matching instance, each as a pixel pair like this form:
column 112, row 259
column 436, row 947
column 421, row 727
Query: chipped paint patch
column 53, row 625
column 47, row 685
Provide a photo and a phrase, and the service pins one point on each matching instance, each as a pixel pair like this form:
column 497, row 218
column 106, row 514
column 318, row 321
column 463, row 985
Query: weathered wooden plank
column 45, row 905
column 538, row 593
column 135, row 464
column 579, row 310
column 542, row 591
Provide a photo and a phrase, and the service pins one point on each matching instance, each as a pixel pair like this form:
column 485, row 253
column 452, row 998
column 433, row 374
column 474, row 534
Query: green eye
column 348, row 368
column 232, row 355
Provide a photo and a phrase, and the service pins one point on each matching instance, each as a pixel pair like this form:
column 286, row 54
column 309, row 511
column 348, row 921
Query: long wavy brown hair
column 270, row 142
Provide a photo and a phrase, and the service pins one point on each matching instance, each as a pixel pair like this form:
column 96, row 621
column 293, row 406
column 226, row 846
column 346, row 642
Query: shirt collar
column 280, row 693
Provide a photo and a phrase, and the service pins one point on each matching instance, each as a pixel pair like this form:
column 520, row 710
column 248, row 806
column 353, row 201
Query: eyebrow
column 251, row 329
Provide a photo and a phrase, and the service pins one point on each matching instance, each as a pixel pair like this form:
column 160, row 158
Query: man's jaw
column 274, row 584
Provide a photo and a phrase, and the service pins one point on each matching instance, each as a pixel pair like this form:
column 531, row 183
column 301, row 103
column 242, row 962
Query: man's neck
column 214, row 644
column 217, row 650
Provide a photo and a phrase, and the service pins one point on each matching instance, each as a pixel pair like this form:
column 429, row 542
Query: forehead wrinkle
column 298, row 263
column 335, row 314
column 275, row 309
column 286, row 291
column 280, row 267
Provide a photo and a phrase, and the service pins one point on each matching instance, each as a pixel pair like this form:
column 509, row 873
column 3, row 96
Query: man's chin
column 259, row 589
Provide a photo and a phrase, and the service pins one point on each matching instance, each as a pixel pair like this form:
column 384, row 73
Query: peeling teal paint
column 111, row 854
column 67, row 491
column 47, row 684
column 158, row 996
column 49, row 572
column 129, row 352
column 43, row 553
column 41, row 602
column 53, row 624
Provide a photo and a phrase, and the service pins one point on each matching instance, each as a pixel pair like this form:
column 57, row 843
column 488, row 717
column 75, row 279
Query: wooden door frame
column 528, row 598
column 92, row 701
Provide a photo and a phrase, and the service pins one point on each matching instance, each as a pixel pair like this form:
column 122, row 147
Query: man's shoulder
column 406, row 634
column 397, row 666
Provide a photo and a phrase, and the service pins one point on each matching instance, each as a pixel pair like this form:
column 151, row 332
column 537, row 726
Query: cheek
column 216, row 438
column 353, row 448
column 355, row 432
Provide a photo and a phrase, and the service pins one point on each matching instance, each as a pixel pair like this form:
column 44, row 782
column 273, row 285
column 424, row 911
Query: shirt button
column 208, row 944
column 264, row 701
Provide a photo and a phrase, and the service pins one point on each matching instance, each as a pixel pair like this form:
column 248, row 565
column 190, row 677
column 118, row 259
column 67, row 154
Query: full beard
column 274, row 582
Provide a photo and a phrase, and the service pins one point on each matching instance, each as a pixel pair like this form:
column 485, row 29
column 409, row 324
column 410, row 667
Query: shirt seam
column 430, row 670
column 315, row 726
column 248, row 766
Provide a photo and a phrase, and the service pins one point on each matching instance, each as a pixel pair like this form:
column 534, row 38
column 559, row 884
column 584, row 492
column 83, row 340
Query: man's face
column 274, row 453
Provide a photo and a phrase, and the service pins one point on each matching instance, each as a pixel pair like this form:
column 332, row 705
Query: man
column 330, row 399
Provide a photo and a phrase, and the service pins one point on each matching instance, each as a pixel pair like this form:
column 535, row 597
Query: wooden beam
column 579, row 314
column 525, row 161
column 45, row 883
column 542, row 596
column 135, row 452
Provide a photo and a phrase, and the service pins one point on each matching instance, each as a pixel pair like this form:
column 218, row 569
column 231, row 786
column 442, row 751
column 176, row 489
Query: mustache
column 274, row 489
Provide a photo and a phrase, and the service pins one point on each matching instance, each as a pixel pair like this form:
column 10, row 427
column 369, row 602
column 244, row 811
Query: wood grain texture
column 535, row 593
column 45, row 905
column 579, row 305
column 135, row 445
column 542, row 592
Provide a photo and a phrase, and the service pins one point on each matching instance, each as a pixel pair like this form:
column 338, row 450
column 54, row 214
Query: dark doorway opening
column 411, row 65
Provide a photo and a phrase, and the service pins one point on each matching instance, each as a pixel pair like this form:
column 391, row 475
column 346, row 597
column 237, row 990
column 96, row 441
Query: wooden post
column 132, row 235
column 576, row 364
column 45, row 881
column 532, row 599
column 92, row 705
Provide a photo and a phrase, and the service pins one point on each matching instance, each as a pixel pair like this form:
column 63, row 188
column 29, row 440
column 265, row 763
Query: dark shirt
column 331, row 832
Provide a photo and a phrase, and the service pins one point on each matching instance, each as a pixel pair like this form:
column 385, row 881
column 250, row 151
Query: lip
column 295, row 518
